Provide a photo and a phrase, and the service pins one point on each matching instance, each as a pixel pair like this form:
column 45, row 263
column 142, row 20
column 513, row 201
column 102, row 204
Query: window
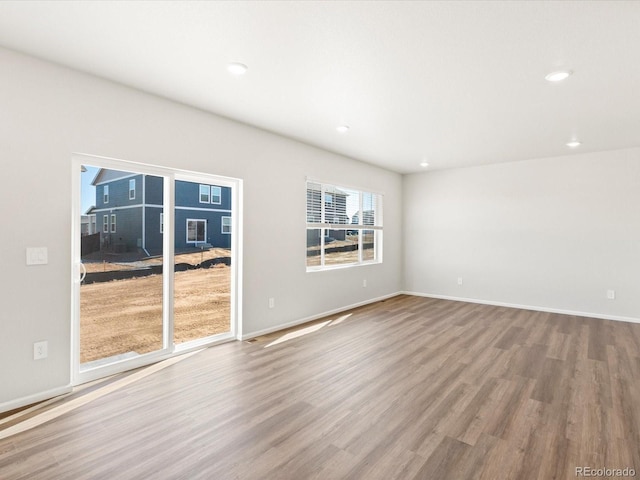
column 210, row 194
column 132, row 189
column 344, row 226
column 105, row 223
column 205, row 194
column 196, row 230
column 216, row 195
column 105, row 194
column 162, row 223
column 113, row 223
column 226, row 225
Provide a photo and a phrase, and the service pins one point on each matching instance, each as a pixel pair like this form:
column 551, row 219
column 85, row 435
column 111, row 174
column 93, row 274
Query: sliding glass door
column 130, row 222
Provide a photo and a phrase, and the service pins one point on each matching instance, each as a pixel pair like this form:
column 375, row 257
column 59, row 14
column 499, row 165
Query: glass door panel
column 202, row 255
column 121, row 249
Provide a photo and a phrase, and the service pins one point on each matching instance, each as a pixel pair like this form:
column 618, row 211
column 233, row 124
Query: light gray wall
column 47, row 112
column 553, row 233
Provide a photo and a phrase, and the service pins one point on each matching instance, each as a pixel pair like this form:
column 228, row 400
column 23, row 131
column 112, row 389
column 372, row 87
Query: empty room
column 334, row 240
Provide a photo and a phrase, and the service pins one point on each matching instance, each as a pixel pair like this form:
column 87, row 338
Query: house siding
column 213, row 219
column 188, row 206
column 129, row 212
column 188, row 195
column 153, row 191
column 128, row 234
column 119, row 192
column 153, row 240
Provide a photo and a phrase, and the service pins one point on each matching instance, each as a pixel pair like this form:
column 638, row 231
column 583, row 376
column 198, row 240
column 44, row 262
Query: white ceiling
column 458, row 83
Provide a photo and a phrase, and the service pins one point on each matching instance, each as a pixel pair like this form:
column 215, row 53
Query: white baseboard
column 300, row 321
column 35, row 398
column 527, row 307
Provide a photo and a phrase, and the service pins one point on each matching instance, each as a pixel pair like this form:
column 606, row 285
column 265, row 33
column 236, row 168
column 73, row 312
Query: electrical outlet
column 364, row 283
column 40, row 350
column 272, row 302
column 611, row 294
column 459, row 280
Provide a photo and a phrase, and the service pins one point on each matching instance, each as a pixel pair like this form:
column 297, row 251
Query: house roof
column 107, row 174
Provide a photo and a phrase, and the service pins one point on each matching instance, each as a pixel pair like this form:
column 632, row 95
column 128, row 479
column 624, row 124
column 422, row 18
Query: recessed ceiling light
column 573, row 144
column 558, row 76
column 342, row 128
column 237, row 68
column 424, row 164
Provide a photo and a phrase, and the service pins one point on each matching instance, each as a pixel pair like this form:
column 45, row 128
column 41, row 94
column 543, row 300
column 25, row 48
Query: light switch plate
column 37, row 256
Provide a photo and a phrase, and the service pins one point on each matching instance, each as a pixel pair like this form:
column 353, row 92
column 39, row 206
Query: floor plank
column 407, row 388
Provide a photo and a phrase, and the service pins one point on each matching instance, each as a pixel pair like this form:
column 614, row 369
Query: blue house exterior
column 130, row 214
column 203, row 215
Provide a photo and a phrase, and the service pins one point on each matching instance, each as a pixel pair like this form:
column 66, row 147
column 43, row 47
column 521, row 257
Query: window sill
column 342, row 267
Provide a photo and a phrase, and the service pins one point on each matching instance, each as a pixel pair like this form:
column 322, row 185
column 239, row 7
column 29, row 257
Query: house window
column 162, row 223
column 105, row 223
column 344, row 227
column 216, row 195
column 132, row 189
column 105, row 194
column 226, row 225
column 113, row 223
column 205, row 194
column 210, row 194
column 196, row 230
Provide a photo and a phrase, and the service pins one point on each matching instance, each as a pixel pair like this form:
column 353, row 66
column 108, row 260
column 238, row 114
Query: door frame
column 169, row 349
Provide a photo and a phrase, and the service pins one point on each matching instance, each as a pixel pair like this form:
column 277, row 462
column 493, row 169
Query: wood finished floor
column 409, row 388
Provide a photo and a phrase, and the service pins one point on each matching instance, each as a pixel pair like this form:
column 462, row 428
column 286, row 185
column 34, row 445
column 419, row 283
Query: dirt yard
column 111, row 264
column 125, row 316
column 341, row 258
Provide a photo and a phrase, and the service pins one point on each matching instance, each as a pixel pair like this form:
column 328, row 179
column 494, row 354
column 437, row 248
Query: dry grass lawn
column 341, row 258
column 125, row 316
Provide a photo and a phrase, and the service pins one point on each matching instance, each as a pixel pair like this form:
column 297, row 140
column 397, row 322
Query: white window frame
column 208, row 189
column 113, row 223
column 105, row 194
column 323, row 226
column 105, row 224
column 219, row 194
column 132, row 189
column 205, row 230
column 225, row 229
